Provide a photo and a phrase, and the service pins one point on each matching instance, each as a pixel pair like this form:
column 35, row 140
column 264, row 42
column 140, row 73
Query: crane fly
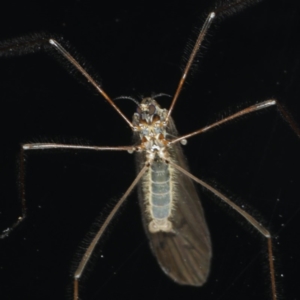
column 173, row 217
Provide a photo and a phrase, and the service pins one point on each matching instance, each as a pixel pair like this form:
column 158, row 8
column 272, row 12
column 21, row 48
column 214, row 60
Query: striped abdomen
column 158, row 188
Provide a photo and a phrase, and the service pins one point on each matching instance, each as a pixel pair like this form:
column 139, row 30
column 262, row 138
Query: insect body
column 174, row 219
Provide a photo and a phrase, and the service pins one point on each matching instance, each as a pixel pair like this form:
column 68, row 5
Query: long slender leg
column 193, row 54
column 248, row 217
column 227, row 9
column 90, row 79
column 40, row 146
column 43, row 146
column 262, row 105
column 89, row 251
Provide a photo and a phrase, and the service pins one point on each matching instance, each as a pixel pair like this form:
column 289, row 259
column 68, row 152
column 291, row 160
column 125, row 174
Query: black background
column 137, row 50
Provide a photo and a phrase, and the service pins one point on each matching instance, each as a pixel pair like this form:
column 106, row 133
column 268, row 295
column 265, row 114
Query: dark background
column 137, row 50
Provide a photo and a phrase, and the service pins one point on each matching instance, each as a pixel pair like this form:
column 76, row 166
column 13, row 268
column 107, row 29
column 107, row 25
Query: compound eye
column 152, row 109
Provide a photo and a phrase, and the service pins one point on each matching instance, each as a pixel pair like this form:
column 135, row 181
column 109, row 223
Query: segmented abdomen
column 160, row 195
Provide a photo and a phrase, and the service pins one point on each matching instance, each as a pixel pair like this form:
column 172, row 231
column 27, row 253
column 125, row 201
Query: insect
column 104, row 85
